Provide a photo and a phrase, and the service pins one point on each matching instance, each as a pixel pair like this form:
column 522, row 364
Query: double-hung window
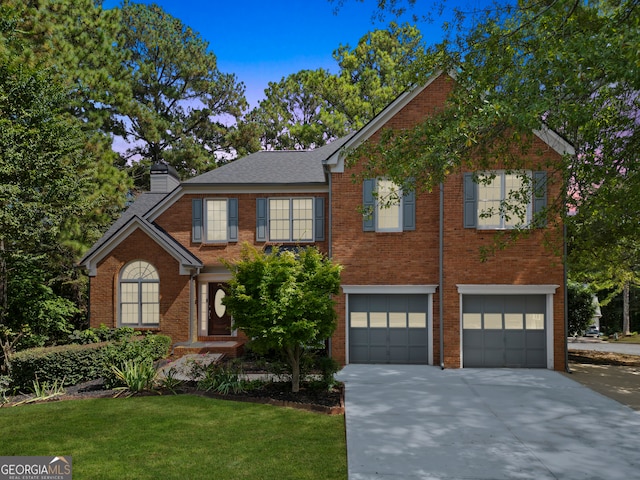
column 386, row 207
column 139, row 295
column 214, row 220
column 503, row 200
column 291, row 219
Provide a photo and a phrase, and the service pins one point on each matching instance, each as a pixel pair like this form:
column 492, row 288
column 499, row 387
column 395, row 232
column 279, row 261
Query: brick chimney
column 164, row 178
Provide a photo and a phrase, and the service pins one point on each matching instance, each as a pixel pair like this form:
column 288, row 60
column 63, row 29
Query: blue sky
column 261, row 41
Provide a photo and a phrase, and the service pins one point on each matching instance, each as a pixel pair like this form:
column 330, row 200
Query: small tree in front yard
column 282, row 300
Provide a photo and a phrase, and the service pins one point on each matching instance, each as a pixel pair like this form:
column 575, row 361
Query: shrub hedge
column 74, row 364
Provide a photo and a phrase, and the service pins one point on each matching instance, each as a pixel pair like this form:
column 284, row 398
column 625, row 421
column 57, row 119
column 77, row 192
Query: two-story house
column 414, row 286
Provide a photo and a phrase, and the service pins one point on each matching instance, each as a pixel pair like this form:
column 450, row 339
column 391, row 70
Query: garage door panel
column 514, row 339
column 398, row 336
column 514, row 357
column 398, row 354
column 493, row 357
column 418, row 354
column 536, row 358
column 359, row 353
column 378, row 336
column 418, row 337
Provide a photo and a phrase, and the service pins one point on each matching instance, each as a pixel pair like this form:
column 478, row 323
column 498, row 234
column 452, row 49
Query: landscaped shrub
column 101, row 334
column 153, row 347
column 71, row 363
column 80, row 363
column 137, row 376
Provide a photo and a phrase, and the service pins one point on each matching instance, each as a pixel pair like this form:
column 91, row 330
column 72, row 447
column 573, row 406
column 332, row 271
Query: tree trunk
column 4, row 283
column 294, row 354
column 626, row 328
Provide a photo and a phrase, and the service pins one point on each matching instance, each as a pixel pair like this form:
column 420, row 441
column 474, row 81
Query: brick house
column 414, row 288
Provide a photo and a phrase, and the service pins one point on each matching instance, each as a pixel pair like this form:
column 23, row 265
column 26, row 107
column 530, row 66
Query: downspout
column 441, row 275
column 566, row 294
column 329, row 240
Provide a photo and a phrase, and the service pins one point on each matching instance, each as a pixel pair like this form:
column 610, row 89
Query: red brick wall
column 174, row 288
column 407, row 258
column 177, row 221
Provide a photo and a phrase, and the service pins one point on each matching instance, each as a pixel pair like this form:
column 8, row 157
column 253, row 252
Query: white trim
column 555, row 141
column 134, row 224
column 430, row 335
column 549, row 327
column 507, row 289
column 390, row 289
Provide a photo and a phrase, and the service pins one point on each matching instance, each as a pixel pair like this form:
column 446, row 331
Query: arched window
column 139, row 295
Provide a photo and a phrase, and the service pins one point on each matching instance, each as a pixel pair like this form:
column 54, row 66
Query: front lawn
column 178, row 437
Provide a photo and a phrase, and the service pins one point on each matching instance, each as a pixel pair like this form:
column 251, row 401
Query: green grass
column 629, row 339
column 181, row 437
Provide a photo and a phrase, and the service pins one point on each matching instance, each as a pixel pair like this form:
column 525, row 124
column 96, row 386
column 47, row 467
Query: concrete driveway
column 410, row 422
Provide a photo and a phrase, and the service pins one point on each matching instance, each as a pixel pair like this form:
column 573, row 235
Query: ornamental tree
column 282, row 300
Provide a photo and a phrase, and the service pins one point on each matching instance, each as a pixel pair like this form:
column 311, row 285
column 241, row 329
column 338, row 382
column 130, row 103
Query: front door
column 219, row 319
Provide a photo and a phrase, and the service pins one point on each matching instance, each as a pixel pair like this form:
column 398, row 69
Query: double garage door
column 388, row 328
column 497, row 330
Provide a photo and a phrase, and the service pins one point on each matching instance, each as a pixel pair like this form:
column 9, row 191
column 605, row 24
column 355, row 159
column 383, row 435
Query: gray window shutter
column 470, row 201
column 232, row 217
column 409, row 211
column 369, row 205
column 539, row 198
column 319, row 219
column 196, row 220
column 261, row 219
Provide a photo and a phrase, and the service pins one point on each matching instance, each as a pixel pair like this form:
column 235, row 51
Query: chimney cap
column 164, row 169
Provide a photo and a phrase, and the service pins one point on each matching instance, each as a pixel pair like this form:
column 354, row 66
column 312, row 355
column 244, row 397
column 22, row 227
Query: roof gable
column 336, row 161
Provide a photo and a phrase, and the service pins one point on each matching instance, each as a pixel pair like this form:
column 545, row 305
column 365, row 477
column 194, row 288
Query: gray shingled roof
column 145, row 202
column 277, row 167
column 272, row 168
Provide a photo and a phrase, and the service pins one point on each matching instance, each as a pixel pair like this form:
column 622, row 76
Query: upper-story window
column 386, row 207
column 139, row 295
column 503, row 200
column 214, row 220
column 290, row 219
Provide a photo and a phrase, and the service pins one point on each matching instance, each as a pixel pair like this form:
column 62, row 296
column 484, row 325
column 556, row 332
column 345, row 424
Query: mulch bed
column 603, row 358
column 272, row 393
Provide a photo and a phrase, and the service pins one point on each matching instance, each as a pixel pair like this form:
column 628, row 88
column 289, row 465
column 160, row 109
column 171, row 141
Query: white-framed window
column 215, row 220
column 388, row 214
column 139, row 295
column 291, row 219
column 504, row 200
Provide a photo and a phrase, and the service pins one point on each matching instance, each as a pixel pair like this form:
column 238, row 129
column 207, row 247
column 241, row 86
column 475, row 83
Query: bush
column 73, row 363
column 80, row 363
column 101, row 334
column 136, row 376
column 153, row 347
